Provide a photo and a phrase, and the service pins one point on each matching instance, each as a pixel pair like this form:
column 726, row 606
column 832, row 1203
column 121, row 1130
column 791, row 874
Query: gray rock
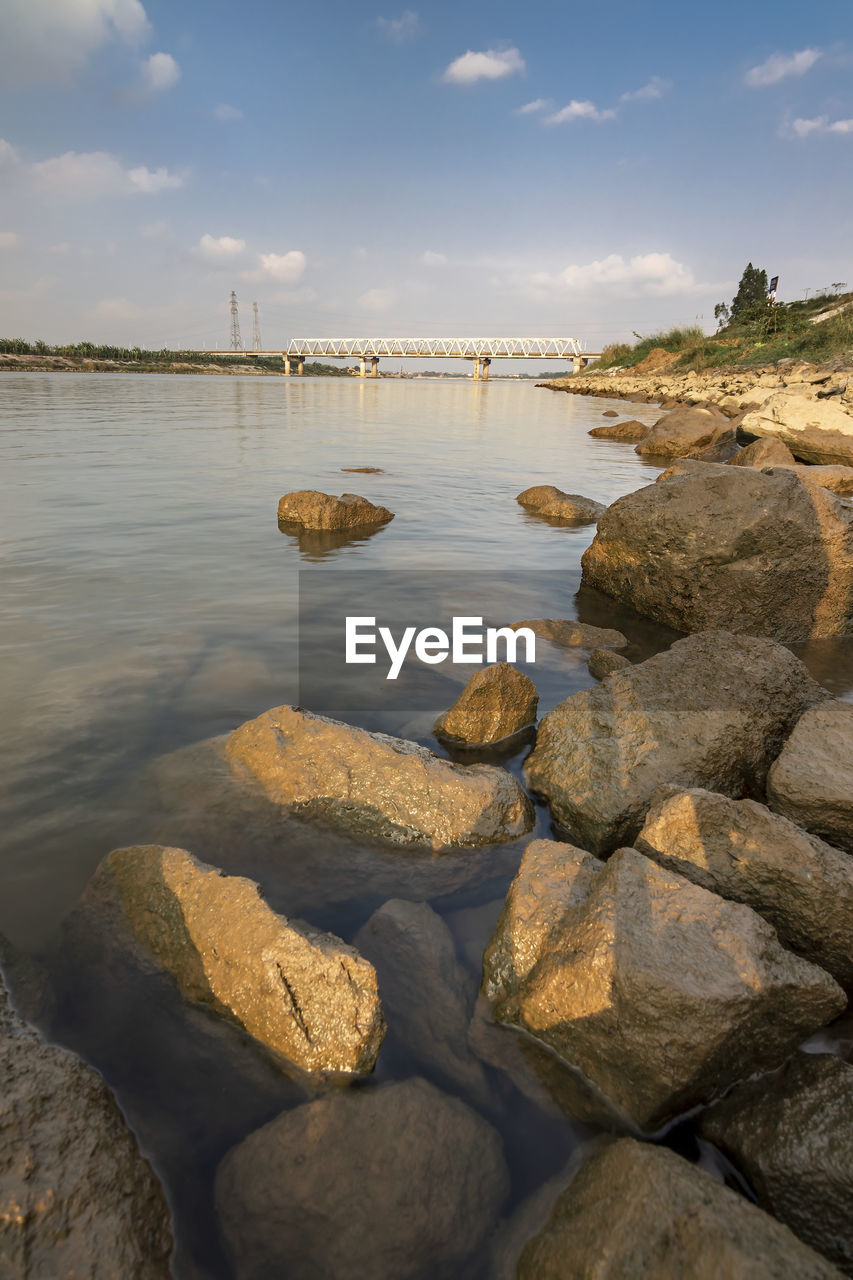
column 314, row 510
column 497, row 702
column 812, row 781
column 546, row 500
column 712, row 711
column 603, row 662
column 398, row 1182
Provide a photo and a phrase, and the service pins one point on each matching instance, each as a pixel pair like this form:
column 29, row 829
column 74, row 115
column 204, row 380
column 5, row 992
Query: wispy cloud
column 585, row 110
column 218, row 250
column 820, row 124
column 94, row 174
column 160, row 72
column 779, row 66
column 655, row 88
column 492, row 64
column 399, row 30
column 645, row 275
column 8, row 239
column 283, row 267
column 224, row 111
column 530, row 108
column 51, row 41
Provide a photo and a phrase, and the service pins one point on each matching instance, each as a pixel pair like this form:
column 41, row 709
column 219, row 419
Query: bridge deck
column 425, row 349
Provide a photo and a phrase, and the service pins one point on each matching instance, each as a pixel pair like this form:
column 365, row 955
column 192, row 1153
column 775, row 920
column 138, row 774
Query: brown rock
column 367, row 471
column 710, row 712
column 674, row 1222
column 768, row 452
column 398, row 1182
column 759, row 552
column 664, row 994
column 741, row 850
column 374, row 784
column 546, row 500
column 568, row 634
column 314, row 510
column 628, row 431
column 792, row 1136
column 836, row 479
column 302, row 993
column 610, row 413
column 685, row 433
column 812, row 781
column 497, row 702
column 723, row 450
column 814, row 430
column 603, row 662
column 76, row 1197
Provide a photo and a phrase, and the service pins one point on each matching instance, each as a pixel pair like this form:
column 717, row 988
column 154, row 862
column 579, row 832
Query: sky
column 451, row 170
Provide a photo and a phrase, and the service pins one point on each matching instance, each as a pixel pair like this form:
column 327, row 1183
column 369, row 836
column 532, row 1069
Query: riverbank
column 10, row 363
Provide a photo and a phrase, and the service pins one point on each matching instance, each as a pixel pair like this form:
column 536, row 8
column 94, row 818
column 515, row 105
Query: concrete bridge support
column 286, row 360
column 374, row 366
column 300, row 367
column 481, row 368
column 578, row 364
column 362, row 367
column 486, row 361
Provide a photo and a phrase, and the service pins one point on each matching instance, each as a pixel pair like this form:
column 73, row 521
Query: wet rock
column 792, row 1137
column 314, row 510
column 568, row 634
column 76, row 1197
column 546, row 500
column 664, row 994
column 768, row 452
column 399, row 1182
column 374, row 784
column 712, row 711
column 497, row 702
column 673, row 1220
column 814, row 430
column 812, row 780
column 723, row 450
column 603, row 662
column 610, row 413
column 759, row 552
column 742, row 851
column 630, row 431
column 366, row 471
column 302, row 993
column 685, row 432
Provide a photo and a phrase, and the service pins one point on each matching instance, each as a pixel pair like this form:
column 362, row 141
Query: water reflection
column 316, row 545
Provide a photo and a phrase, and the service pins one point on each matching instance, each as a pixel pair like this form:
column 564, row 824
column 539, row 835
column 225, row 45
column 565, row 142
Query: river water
column 150, row 602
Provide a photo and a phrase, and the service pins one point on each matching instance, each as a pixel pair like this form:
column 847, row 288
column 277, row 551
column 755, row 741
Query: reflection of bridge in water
column 480, row 350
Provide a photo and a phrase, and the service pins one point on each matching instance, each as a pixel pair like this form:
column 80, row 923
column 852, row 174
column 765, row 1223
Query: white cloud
column 781, row 65
column 160, row 72
column 406, row 27
column 218, row 250
column 284, row 267
column 820, row 124
column 646, row 275
column 585, row 110
column 224, row 111
column 51, row 40
column 9, row 238
column 94, row 174
column 655, row 88
column 153, row 180
column 430, row 259
column 493, row 64
column 377, row 300
column 538, row 104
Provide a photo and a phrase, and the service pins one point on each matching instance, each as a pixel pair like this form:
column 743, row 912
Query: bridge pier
column 362, row 367
column 374, row 366
column 485, row 367
column 476, row 368
column 300, row 366
column 286, row 360
column 579, row 363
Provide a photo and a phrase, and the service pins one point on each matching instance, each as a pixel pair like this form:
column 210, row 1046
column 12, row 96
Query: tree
column 750, row 301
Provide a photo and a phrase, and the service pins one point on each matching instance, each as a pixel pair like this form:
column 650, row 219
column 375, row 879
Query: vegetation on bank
column 152, row 361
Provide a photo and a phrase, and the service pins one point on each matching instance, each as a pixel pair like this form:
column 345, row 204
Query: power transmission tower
column 236, row 340
column 256, row 328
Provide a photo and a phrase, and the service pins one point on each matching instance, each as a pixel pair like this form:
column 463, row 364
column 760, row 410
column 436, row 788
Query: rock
column 313, row 510
column 836, row 479
column 759, row 552
column 792, row 1137
column 302, row 993
column 366, row 471
column 497, row 702
column 768, row 452
column 664, row 994
column 428, row 996
column 76, row 1197
column 546, row 500
column 674, row 1222
column 711, row 711
column 812, row 781
column 814, row 430
column 685, row 433
column 725, row 449
column 553, row 878
column 398, row 1182
column 740, row 850
column 374, row 784
column 603, row 662
column 630, row 431
column 610, row 413
column 568, row 634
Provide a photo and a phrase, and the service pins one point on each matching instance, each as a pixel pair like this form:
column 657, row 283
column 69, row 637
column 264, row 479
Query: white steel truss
column 439, row 348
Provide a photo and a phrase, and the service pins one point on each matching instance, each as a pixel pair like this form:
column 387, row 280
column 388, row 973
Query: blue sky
column 564, row 169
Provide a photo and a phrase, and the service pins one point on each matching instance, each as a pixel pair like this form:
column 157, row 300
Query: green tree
column 750, row 301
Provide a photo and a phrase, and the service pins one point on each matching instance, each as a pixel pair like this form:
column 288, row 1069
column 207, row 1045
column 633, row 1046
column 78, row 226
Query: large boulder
column 304, row 994
column 497, row 702
column 629, row 432
column 814, row 430
column 664, row 994
column 792, row 1137
column 685, row 432
column 670, row 1220
column 741, row 850
column 547, row 500
column 837, row 479
column 712, row 711
column 314, row 510
column 812, row 780
column 398, row 1182
column 767, row 452
column 760, row 552
column 374, row 784
column 76, row 1197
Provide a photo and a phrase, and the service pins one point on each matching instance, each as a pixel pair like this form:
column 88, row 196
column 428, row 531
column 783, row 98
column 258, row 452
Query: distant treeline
column 140, row 356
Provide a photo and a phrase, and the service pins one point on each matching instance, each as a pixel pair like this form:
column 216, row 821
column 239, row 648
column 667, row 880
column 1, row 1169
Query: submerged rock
column 398, row 1182
column 603, row 662
column 302, row 993
column 546, row 500
column 685, row 432
column 628, row 431
column 497, row 702
column 741, row 850
column 374, row 784
column 792, row 1137
column 812, row 781
column 711, row 712
column 566, row 633
column 662, row 993
column 814, row 430
column 760, row 552
column 769, row 452
column 76, row 1197
column 314, row 510
column 670, row 1220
